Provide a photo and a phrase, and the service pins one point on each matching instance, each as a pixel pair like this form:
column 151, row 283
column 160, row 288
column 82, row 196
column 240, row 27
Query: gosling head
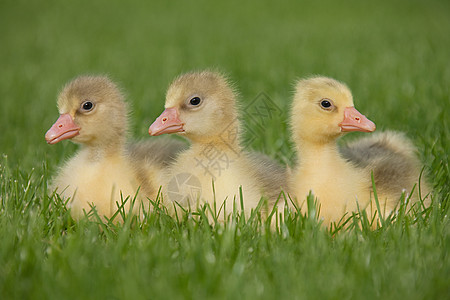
column 199, row 105
column 92, row 112
column 323, row 110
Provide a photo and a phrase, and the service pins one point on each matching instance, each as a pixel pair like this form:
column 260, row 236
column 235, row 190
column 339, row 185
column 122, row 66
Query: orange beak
column 355, row 121
column 63, row 129
column 167, row 122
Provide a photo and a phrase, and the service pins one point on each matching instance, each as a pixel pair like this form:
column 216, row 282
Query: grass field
column 393, row 54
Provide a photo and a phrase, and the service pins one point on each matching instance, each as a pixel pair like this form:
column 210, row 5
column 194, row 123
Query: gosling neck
column 313, row 154
column 96, row 151
column 226, row 139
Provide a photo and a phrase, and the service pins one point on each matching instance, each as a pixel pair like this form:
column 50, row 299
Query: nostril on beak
column 60, row 125
column 357, row 119
column 164, row 119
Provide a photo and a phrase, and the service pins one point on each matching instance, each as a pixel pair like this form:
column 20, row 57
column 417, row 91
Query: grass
column 393, row 54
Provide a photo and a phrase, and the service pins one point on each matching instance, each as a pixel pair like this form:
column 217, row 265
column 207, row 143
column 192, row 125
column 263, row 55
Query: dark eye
column 325, row 103
column 87, row 105
column 195, row 101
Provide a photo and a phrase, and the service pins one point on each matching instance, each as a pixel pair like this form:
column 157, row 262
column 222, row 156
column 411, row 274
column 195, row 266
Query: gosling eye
column 195, row 101
column 326, row 104
column 87, row 106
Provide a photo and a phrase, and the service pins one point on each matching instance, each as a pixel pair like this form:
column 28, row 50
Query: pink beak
column 64, row 128
column 167, row 122
column 355, row 121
